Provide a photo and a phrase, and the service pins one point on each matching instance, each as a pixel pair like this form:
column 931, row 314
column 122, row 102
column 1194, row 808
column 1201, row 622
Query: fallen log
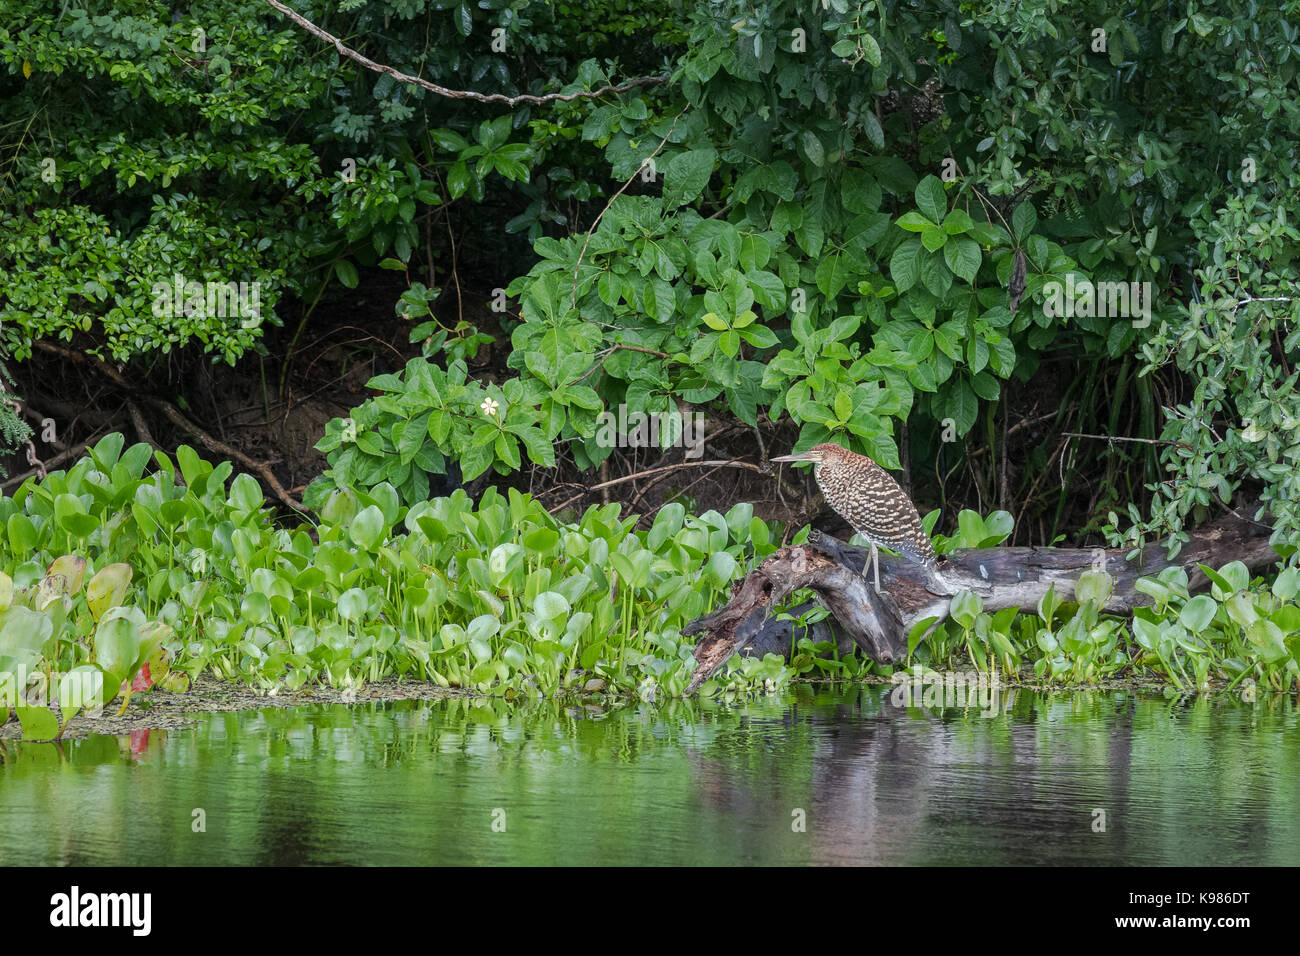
column 1002, row 577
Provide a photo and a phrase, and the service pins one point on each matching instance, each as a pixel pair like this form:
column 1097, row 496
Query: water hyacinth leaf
column 367, row 528
column 494, row 603
column 1287, row 617
column 1270, row 640
column 255, row 608
column 49, row 590
column 483, row 627
column 38, row 723
column 1093, row 587
column 192, row 466
column 6, row 591
column 970, row 528
column 1241, row 609
column 246, row 493
column 1048, row 604
column 577, row 625
column 965, row 608
column 738, row 519
column 117, row 648
column 541, row 541
column 79, row 525
column 1220, row 587
column 503, row 560
column 108, row 450
column 1146, row 634
column 515, row 655
column 918, row 632
column 81, row 688
column 309, row 579
column 352, row 604
column 1154, row 588
column 1287, row 584
column 341, row 507
column 720, row 568
column 452, row 635
column 666, row 524
column 550, row 605
column 1236, row 574
column 482, row 652
column 21, row 629
column 107, row 589
column 22, row 534
column 1197, row 613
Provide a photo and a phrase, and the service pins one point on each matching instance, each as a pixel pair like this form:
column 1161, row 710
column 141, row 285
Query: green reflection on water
column 1200, row 781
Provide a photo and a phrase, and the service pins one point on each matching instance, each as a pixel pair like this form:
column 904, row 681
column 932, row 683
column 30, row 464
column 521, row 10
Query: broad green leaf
column 686, row 175
column 38, row 723
column 963, row 257
column 1197, row 613
column 931, row 199
column 367, row 528
column 904, row 264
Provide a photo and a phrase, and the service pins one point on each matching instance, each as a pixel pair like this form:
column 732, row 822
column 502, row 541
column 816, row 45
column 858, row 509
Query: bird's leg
column 873, row 564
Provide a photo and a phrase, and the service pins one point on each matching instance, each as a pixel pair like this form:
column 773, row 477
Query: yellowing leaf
column 107, row 588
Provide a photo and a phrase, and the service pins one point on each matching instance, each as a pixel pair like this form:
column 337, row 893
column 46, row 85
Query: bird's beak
column 802, row 456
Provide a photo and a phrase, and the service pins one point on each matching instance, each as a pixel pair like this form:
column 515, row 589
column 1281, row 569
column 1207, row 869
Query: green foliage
column 805, row 241
column 426, row 417
column 973, row 531
column 495, row 597
column 221, row 144
column 73, row 647
column 1242, row 630
column 14, row 431
column 1238, row 347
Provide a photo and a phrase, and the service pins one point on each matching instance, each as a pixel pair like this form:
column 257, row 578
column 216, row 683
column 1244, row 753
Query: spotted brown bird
column 870, row 500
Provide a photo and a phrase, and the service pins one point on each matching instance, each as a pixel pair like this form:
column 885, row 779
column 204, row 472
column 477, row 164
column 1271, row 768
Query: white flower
column 490, row 406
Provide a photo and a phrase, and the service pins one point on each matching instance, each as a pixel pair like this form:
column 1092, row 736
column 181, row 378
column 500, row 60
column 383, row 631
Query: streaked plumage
column 871, row 501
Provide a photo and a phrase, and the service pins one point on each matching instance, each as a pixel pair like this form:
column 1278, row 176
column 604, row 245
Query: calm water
column 1181, row 782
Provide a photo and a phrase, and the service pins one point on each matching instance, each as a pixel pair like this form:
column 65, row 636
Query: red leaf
column 142, row 681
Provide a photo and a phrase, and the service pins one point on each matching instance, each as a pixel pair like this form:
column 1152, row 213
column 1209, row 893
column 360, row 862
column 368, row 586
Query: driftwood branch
column 369, row 64
column 1003, row 577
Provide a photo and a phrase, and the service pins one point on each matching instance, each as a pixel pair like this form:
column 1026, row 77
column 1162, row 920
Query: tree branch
column 456, row 94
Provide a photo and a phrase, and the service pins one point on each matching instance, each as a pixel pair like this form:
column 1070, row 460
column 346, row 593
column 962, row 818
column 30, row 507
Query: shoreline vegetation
column 115, row 575
column 494, row 320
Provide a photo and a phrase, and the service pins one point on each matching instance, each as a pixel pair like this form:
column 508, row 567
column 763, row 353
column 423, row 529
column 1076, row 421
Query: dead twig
column 141, row 428
column 733, row 463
